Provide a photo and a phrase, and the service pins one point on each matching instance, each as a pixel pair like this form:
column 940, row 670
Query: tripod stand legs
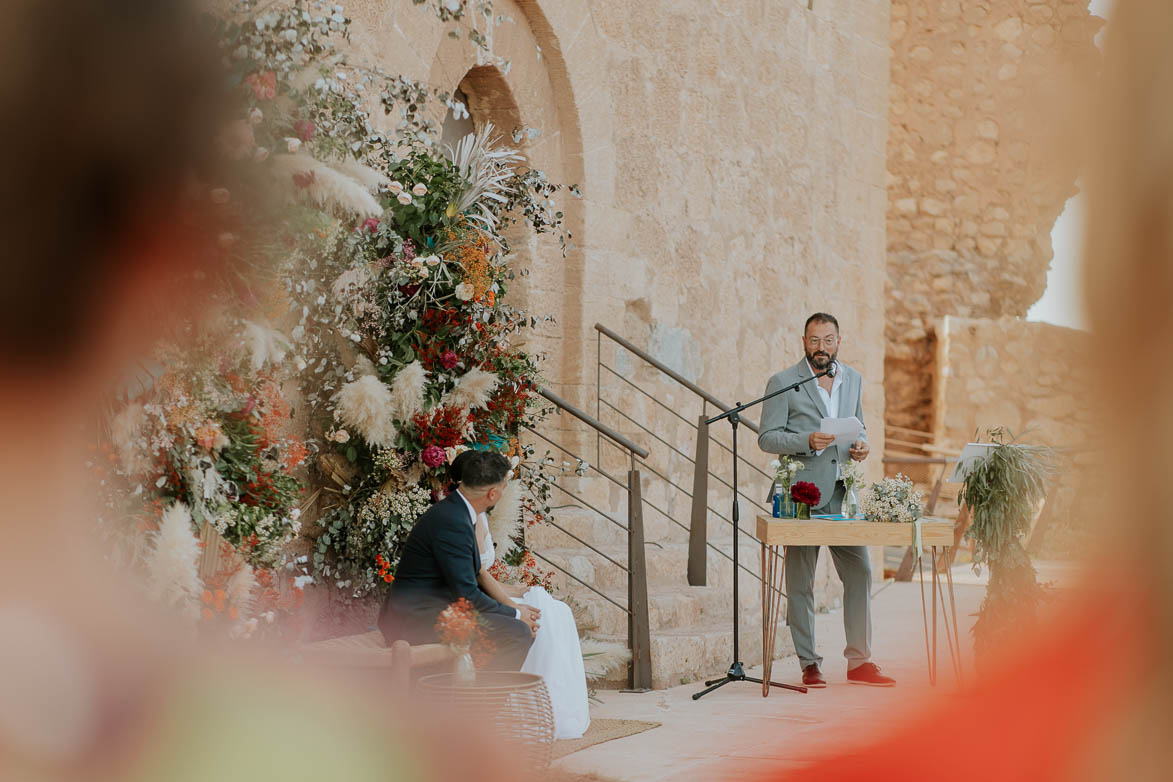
column 737, row 674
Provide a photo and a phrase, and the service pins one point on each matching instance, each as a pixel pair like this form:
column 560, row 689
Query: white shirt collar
column 838, row 373
column 472, row 513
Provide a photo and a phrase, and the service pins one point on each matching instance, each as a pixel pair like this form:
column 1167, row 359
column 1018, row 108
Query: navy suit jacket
column 439, row 565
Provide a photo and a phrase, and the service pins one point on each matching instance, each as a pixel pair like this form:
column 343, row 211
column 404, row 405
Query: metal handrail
column 693, row 387
column 638, row 627
column 594, row 423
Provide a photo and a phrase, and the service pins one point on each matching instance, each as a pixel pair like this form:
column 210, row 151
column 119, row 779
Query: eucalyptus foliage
column 1002, row 491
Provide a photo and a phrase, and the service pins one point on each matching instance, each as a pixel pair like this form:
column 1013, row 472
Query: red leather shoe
column 869, row 674
column 812, row 677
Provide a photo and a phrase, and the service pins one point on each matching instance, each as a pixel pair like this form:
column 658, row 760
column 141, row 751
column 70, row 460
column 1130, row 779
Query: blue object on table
column 777, row 505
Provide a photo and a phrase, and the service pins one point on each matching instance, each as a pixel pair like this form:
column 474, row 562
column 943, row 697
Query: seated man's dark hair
column 478, row 469
column 820, row 317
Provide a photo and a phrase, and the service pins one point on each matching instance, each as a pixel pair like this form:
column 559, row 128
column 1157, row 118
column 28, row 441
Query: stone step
column 667, row 609
column 691, row 655
column 667, row 565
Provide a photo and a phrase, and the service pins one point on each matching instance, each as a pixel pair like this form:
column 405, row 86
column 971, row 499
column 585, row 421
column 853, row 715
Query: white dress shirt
column 472, row 517
column 830, row 400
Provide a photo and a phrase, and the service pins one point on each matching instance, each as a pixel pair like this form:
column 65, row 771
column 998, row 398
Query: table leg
column 956, row 627
column 924, row 613
column 766, row 650
column 951, row 631
column 773, row 574
column 933, row 678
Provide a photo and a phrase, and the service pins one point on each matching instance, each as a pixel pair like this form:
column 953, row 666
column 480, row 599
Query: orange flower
column 206, row 596
column 207, row 614
column 233, row 613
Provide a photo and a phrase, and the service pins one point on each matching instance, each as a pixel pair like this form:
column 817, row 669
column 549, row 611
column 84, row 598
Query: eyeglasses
column 815, row 342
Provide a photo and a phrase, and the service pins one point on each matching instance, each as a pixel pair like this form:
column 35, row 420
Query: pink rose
column 304, row 129
column 449, row 359
column 434, row 456
column 263, row 84
column 370, row 224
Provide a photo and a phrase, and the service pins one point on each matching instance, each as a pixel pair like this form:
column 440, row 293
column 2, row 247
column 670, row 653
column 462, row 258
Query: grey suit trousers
column 855, row 571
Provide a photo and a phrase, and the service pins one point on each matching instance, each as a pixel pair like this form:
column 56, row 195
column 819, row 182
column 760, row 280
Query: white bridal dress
column 556, row 656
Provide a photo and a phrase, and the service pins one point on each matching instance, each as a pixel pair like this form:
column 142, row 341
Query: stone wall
column 1028, row 377
column 981, row 159
column 731, row 159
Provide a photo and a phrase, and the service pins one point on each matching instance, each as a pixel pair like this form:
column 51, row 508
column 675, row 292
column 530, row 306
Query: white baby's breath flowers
column 892, row 500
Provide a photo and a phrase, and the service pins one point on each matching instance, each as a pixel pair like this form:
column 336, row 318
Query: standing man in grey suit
column 790, row 425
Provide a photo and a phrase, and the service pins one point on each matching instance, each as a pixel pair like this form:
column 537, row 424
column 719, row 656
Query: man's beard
column 820, row 359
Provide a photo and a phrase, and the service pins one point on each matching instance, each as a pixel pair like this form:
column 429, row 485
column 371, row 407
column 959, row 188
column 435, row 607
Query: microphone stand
column 736, row 672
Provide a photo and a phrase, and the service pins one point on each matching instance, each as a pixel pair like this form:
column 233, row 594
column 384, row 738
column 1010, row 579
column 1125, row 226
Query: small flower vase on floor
column 466, row 672
column 850, row 508
column 804, row 510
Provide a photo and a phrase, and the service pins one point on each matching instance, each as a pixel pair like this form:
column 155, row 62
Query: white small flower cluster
column 785, row 470
column 893, row 500
column 851, row 472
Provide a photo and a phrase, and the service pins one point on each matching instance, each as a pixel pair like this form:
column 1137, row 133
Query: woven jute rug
column 602, row 730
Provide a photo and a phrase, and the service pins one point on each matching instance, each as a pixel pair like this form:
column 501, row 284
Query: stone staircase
column 691, row 626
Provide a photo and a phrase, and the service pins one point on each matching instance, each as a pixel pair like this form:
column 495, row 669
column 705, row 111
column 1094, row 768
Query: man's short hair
column 821, row 317
column 479, row 469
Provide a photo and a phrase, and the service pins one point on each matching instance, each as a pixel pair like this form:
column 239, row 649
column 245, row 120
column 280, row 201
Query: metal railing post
column 698, row 529
column 638, row 629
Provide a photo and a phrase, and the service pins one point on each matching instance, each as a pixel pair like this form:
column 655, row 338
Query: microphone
column 830, row 370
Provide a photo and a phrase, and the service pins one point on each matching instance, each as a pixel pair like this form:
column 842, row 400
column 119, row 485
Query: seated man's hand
column 859, row 450
column 820, row 440
column 530, row 620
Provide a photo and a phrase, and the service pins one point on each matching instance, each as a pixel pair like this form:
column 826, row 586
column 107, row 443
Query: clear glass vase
column 804, row 510
column 784, row 507
column 466, row 672
column 850, row 507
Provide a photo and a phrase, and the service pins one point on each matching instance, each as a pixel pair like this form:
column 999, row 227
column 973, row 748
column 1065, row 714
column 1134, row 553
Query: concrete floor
column 735, row 733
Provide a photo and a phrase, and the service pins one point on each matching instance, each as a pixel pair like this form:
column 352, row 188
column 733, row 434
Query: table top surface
column 851, row 532
column 485, row 680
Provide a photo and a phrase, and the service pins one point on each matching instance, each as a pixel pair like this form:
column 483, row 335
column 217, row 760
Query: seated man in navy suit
column 440, row 563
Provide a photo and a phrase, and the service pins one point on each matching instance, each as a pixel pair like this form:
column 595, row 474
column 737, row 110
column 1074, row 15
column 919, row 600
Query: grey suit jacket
column 789, row 419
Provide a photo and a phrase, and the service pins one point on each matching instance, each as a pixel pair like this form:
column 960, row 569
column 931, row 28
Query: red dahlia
column 806, row 493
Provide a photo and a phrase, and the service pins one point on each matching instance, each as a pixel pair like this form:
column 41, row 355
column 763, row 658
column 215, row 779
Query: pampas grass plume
column 371, row 179
column 265, row 345
column 602, row 658
column 407, row 391
column 240, row 591
column 173, row 568
column 472, row 390
column 365, row 405
column 327, row 186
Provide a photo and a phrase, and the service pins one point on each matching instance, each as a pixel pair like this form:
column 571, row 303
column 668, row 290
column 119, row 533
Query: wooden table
column 775, row 534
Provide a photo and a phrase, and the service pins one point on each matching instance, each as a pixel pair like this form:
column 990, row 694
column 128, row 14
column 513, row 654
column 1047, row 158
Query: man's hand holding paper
column 845, row 430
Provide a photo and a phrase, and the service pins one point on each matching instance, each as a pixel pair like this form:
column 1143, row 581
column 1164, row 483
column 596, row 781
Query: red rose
column 806, row 493
column 449, row 359
column 370, row 224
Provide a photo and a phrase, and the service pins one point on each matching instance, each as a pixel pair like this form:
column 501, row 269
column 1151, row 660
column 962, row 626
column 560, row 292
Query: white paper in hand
column 846, row 430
